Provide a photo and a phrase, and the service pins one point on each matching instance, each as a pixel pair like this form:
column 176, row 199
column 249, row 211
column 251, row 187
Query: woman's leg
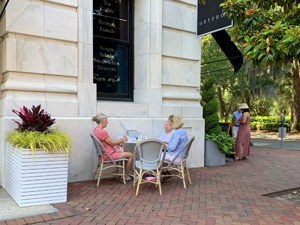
column 129, row 156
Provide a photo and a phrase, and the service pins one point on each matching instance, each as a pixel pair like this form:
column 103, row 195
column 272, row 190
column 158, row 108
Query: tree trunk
column 296, row 95
column 221, row 102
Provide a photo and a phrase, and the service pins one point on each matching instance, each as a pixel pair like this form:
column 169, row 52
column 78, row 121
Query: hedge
column 270, row 123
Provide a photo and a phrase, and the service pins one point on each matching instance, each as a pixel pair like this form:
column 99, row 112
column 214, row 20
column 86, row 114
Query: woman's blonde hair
column 177, row 122
column 99, row 118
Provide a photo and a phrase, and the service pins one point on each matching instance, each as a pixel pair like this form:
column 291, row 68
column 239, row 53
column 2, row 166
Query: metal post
column 281, row 143
column 282, row 125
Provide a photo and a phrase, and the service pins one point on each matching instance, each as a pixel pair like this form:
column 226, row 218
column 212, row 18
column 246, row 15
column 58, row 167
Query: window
column 113, row 49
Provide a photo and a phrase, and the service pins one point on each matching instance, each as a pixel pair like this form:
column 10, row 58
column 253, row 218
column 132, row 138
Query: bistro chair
column 108, row 167
column 147, row 168
column 178, row 168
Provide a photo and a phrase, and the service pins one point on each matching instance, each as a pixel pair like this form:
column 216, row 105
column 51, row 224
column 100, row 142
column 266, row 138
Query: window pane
column 111, row 19
column 111, row 68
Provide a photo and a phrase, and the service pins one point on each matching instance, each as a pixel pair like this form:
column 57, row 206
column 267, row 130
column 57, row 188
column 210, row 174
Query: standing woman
column 242, row 144
column 109, row 143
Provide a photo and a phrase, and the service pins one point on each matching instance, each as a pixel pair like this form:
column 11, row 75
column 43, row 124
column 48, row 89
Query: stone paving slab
column 230, row 194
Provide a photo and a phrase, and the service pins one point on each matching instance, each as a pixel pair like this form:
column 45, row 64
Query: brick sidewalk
column 230, row 194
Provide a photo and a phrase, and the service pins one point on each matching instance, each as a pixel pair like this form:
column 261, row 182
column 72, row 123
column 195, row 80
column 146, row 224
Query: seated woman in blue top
column 177, row 140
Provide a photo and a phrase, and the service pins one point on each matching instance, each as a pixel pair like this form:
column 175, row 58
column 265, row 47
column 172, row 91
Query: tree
column 216, row 65
column 269, row 33
column 210, row 106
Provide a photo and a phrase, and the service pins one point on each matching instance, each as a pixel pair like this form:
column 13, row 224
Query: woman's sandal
column 244, row 158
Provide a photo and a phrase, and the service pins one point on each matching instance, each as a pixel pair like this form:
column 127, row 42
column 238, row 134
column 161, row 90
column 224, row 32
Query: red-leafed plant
column 34, row 119
column 33, row 132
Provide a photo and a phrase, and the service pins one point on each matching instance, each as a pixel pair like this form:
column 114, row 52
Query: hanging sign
column 210, row 17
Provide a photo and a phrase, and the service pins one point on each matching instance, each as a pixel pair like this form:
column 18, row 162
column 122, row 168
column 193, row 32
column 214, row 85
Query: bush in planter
column 41, row 179
column 224, row 142
column 210, row 106
column 34, row 132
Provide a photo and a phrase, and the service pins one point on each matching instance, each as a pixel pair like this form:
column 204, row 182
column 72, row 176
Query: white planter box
column 35, row 181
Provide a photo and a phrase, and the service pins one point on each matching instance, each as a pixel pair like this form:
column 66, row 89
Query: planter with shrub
column 218, row 144
column 36, row 169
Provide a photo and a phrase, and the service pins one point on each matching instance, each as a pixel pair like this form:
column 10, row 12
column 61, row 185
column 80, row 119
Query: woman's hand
column 124, row 138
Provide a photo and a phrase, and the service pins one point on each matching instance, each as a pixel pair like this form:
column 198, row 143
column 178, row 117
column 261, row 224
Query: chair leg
column 99, row 176
column 182, row 175
column 123, row 171
column 135, row 178
column 188, row 174
column 95, row 173
column 158, row 181
column 139, row 182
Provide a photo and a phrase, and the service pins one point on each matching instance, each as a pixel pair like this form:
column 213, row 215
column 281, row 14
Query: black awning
column 229, row 48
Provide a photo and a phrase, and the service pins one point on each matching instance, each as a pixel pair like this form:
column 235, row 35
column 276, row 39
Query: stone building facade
column 46, row 57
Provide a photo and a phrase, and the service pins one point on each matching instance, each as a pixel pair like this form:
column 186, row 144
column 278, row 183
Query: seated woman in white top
column 166, row 135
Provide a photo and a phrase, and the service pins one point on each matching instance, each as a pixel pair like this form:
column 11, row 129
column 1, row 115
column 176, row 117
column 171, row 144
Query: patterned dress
column 242, row 144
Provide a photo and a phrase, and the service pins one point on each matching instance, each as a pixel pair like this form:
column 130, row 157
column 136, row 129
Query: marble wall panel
column 142, row 12
column 127, row 109
column 142, row 40
column 16, row 99
column 85, row 62
column 86, row 4
column 85, row 26
column 11, row 55
column 179, row 16
column 189, row 108
column 59, row 104
column 179, row 72
column 83, row 160
column 73, row 3
column 142, row 71
column 87, row 99
column 191, row 2
column 46, row 57
column 195, row 127
column 60, row 84
column 171, row 43
column 23, row 82
column 155, row 71
column 155, row 39
column 61, row 24
column 153, row 99
column 187, row 44
column 25, row 17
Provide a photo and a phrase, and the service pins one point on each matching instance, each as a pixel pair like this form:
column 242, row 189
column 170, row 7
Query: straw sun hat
column 243, row 106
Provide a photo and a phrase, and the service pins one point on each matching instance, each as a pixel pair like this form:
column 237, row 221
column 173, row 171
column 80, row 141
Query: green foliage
column 267, row 30
column 262, row 106
column 269, row 123
column 298, row 126
column 224, row 141
column 34, row 133
column 269, row 33
column 215, row 65
column 51, row 142
column 210, row 107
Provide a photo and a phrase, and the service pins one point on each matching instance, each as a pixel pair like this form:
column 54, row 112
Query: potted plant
column 218, row 144
column 36, row 170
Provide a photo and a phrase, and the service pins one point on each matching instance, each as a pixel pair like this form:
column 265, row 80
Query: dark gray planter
column 213, row 157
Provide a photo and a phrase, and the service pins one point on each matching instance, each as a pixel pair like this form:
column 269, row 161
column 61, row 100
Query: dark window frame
column 130, row 46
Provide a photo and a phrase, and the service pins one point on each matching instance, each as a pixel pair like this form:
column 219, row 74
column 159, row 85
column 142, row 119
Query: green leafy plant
column 223, row 140
column 34, row 132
